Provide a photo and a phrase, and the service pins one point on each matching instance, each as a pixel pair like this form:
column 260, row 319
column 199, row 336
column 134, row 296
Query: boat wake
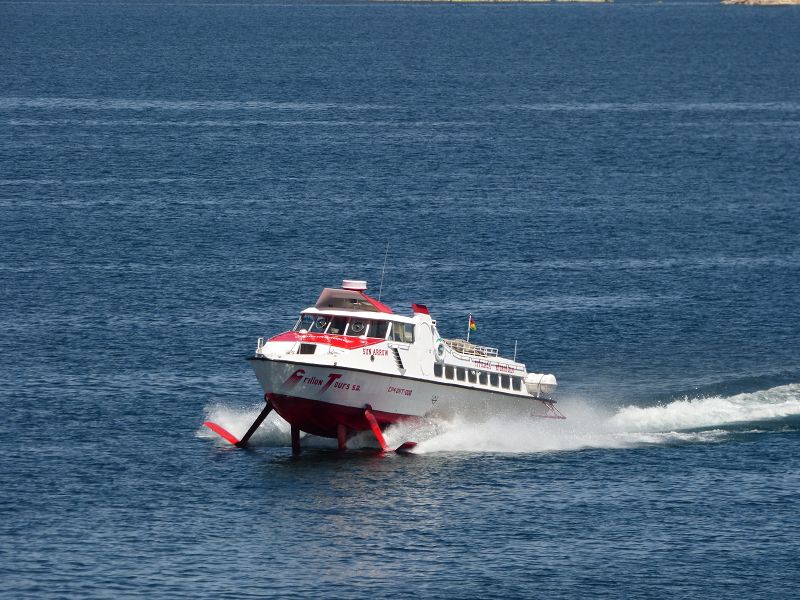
column 700, row 420
column 708, row 419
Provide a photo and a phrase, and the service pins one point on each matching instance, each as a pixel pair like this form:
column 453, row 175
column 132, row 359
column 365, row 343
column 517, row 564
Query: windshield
column 358, row 327
column 338, row 325
column 355, row 326
column 304, row 323
column 312, row 323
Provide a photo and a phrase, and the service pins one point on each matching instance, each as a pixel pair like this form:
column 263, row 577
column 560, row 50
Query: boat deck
column 470, row 349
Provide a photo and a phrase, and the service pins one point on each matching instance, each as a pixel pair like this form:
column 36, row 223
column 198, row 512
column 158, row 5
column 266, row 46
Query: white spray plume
column 586, row 426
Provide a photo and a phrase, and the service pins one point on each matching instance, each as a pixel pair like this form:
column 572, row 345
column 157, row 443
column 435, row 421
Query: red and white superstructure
column 351, row 364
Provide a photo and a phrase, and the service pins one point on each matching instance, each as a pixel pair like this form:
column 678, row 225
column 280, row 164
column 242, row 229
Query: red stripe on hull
column 324, row 418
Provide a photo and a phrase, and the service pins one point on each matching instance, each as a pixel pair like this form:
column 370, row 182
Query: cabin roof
column 338, row 299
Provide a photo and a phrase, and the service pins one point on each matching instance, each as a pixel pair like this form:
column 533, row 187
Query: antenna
column 515, row 350
column 385, row 255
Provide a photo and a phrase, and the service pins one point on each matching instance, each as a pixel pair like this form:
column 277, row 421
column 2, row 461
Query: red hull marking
column 222, row 432
column 324, row 418
column 337, row 341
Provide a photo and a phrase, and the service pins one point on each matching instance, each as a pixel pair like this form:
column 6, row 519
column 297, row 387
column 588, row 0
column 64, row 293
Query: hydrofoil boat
column 351, row 364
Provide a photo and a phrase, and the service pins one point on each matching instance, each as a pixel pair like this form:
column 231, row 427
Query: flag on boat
column 472, row 325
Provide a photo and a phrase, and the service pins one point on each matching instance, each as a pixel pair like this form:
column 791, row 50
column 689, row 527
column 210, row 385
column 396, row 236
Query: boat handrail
column 470, row 349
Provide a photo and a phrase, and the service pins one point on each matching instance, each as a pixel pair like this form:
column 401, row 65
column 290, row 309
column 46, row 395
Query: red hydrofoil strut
column 341, row 432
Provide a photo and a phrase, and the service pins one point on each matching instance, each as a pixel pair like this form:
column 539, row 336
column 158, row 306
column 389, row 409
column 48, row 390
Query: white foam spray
column 681, row 421
column 766, row 405
column 587, row 426
column 274, row 431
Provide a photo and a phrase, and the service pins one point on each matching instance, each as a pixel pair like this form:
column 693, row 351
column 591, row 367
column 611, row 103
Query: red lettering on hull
column 331, row 378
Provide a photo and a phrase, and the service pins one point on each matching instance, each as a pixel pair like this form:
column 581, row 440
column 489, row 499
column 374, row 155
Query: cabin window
column 437, row 370
column 338, row 325
column 358, row 327
column 516, row 383
column 448, row 372
column 461, row 374
column 472, row 376
column 505, row 381
column 483, row 378
column 403, row 332
column 378, row 329
column 304, row 322
column 494, row 379
column 319, row 325
column 307, row 349
column 397, row 332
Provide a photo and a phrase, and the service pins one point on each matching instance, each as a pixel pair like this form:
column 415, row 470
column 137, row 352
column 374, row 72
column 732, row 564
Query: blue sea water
column 615, row 187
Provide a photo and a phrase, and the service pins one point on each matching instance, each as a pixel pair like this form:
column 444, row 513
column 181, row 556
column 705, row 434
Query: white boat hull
column 318, row 398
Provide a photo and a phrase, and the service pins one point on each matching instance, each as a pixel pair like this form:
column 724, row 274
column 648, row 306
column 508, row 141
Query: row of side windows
column 483, row 377
column 392, row 330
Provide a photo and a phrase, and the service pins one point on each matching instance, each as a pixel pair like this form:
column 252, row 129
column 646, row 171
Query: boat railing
column 470, row 349
column 260, row 344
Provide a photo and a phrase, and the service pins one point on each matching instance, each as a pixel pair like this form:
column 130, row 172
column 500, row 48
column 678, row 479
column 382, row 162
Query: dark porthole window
column 472, row 376
column 460, row 374
column 516, row 383
column 448, row 372
column 505, row 381
column 483, row 378
column 494, row 379
column 437, row 370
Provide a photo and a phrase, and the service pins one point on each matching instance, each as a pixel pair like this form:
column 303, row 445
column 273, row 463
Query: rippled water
column 614, row 187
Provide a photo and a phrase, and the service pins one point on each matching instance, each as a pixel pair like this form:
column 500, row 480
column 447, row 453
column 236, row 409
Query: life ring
column 440, row 352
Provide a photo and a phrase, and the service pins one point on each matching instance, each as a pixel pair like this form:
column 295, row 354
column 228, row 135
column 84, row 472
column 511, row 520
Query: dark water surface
column 616, row 187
